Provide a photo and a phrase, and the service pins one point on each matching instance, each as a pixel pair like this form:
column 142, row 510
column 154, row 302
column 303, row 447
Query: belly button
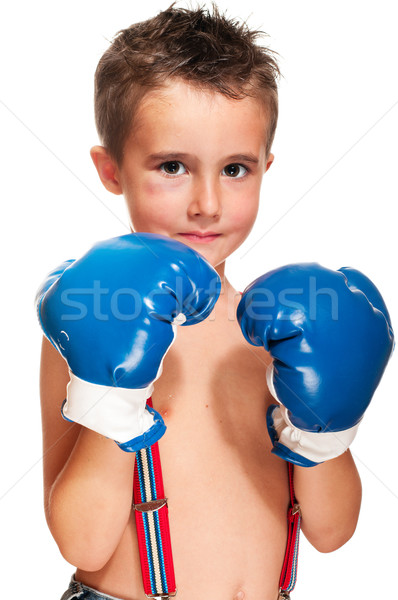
column 239, row 596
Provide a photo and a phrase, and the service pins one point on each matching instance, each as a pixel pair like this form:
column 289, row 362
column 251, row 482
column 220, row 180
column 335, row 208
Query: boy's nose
column 206, row 199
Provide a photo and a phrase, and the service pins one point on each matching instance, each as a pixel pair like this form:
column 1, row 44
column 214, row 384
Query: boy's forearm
column 90, row 501
column 329, row 495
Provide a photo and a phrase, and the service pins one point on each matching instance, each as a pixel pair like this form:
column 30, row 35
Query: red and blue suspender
column 152, row 521
column 153, row 531
column 288, row 576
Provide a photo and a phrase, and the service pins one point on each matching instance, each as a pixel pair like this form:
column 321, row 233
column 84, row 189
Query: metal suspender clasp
column 162, row 596
column 151, row 506
column 296, row 509
column 283, row 595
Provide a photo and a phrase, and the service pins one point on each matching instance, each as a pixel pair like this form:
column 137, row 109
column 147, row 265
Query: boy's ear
column 107, row 169
column 270, row 160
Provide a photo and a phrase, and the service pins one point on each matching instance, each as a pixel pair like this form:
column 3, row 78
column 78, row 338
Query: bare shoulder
column 59, row 436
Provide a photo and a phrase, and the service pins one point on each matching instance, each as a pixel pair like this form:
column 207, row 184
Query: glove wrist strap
column 95, row 406
column 314, row 446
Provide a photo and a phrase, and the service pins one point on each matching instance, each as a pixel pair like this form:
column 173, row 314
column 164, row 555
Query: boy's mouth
column 200, row 236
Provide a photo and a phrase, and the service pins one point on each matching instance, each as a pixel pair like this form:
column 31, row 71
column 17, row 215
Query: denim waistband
column 84, row 592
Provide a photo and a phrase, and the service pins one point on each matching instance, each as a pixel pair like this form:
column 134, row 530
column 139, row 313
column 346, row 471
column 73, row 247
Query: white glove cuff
column 317, row 447
column 117, row 413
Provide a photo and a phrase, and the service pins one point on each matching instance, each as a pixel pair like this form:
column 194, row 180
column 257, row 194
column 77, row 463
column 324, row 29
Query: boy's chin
column 203, row 246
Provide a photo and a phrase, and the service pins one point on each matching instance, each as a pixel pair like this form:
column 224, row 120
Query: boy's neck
column 229, row 297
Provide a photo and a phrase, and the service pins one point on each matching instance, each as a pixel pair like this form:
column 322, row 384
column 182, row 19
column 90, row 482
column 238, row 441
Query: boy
column 186, row 110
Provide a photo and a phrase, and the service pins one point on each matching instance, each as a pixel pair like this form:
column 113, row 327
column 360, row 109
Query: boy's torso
column 227, row 494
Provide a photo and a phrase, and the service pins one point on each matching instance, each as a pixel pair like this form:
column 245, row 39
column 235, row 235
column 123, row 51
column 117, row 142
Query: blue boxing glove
column 112, row 315
column 330, row 337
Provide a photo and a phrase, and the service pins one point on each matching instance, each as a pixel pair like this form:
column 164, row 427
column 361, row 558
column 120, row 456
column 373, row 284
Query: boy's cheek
column 151, row 212
column 161, row 189
column 150, row 218
column 150, row 195
column 240, row 228
column 245, row 215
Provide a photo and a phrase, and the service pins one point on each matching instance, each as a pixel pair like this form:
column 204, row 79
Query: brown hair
column 202, row 48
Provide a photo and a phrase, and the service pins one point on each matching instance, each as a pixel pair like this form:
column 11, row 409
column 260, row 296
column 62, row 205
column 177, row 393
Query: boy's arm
column 87, row 479
column 329, row 495
column 112, row 353
column 329, row 336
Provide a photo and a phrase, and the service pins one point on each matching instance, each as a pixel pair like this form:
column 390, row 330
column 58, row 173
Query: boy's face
column 193, row 162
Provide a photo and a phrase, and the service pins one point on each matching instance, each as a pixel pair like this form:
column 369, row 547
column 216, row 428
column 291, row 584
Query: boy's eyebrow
column 169, row 156
column 165, row 156
column 251, row 158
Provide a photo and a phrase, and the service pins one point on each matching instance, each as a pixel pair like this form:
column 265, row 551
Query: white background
column 330, row 196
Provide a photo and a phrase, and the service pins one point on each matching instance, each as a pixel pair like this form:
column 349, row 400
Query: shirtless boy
column 186, row 110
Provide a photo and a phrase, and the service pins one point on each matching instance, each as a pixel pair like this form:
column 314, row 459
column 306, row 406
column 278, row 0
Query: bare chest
column 227, row 494
column 216, row 455
column 213, row 367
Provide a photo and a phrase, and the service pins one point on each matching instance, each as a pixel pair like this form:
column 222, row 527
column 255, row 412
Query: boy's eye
column 173, row 167
column 234, row 170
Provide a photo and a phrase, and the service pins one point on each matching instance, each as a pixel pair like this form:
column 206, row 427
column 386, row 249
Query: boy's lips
column 200, row 236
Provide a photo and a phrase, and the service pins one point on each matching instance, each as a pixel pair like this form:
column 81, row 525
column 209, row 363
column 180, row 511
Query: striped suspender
column 152, row 520
column 289, row 568
column 153, row 531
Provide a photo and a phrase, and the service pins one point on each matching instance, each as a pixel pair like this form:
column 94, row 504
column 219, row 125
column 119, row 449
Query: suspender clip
column 296, row 509
column 151, row 506
column 162, row 596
